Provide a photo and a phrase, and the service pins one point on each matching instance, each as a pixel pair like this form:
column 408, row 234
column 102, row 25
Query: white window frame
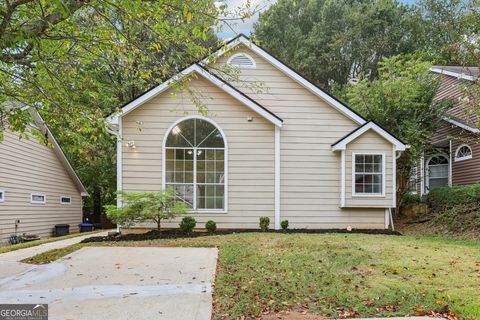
column 225, row 155
column 457, row 159
column 66, row 203
column 355, row 194
column 249, row 57
column 2, row 192
column 427, row 170
column 38, row 194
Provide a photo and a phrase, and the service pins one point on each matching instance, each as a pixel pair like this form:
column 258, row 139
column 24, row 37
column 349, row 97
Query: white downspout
column 450, row 163
column 119, row 165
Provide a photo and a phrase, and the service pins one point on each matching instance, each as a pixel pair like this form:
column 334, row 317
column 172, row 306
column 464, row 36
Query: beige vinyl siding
column 250, row 151
column 310, row 171
column 28, row 166
column 369, row 142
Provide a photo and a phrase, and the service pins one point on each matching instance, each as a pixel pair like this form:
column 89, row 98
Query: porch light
column 131, row 144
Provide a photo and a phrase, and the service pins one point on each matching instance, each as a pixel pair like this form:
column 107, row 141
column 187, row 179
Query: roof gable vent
column 242, row 60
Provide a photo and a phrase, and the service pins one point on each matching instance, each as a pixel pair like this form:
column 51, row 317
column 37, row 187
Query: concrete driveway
column 118, row 283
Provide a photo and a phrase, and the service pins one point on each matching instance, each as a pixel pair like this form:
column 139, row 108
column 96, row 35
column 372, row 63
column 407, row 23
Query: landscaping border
column 178, row 234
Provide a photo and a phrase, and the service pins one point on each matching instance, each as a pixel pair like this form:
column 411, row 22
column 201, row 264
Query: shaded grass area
column 335, row 275
column 29, row 244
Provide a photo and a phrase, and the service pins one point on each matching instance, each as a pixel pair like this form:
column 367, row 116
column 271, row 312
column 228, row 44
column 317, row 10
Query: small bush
column 187, row 224
column 440, row 199
column 211, row 226
column 410, row 199
column 264, row 223
column 284, row 225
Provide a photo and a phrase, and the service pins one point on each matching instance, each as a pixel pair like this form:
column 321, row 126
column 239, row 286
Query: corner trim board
column 277, row 178
column 342, row 181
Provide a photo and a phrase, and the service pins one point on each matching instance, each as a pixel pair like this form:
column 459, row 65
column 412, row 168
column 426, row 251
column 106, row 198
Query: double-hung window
column 368, row 174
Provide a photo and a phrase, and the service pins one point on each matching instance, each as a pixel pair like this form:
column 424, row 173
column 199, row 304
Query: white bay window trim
column 358, row 194
column 38, row 198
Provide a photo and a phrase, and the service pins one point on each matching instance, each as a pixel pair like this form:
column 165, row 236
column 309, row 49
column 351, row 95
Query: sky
column 246, row 27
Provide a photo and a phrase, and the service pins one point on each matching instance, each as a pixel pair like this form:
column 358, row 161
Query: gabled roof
column 200, row 68
column 459, row 72
column 461, row 125
column 277, row 63
column 370, row 125
column 220, row 83
column 57, row 150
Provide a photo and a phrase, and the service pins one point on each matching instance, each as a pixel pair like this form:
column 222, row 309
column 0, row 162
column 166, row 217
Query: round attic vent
column 242, row 60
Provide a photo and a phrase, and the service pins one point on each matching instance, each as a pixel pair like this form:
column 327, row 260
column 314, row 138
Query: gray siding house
column 38, row 186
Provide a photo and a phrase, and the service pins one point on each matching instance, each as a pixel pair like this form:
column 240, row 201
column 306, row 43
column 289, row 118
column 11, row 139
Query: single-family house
column 38, row 186
column 455, row 155
column 285, row 149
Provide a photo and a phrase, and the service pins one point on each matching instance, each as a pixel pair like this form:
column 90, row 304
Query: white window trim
column 427, row 170
column 38, row 194
column 164, row 148
column 457, row 159
column 64, row 203
column 253, row 66
column 382, row 194
column 3, row 196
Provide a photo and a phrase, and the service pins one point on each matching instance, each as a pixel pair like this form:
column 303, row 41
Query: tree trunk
column 158, row 225
column 404, row 165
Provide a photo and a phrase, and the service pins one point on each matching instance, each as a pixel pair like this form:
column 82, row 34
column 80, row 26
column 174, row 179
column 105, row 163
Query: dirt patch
column 177, row 234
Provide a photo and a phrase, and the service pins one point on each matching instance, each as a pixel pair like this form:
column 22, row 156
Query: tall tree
column 445, row 30
column 401, row 101
column 77, row 61
column 331, row 41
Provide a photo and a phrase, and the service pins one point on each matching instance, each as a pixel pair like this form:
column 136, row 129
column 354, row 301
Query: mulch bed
column 178, row 234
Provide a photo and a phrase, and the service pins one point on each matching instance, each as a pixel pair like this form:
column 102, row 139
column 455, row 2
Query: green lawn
column 23, row 245
column 336, row 274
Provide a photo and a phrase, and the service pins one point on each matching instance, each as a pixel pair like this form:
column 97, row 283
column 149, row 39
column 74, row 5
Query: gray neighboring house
column 455, row 159
column 38, row 186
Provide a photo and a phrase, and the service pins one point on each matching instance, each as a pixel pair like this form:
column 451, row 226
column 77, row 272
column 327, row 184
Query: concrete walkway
column 22, row 254
column 119, row 283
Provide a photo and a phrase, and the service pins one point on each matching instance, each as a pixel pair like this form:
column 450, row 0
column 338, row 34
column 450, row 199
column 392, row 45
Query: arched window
column 242, row 60
column 195, row 162
column 463, row 152
column 437, row 167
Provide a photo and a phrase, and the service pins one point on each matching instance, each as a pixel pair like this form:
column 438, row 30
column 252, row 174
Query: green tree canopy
column 332, row 41
column 401, row 101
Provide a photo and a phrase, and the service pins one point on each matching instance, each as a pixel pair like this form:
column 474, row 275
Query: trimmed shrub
column 264, row 223
column 187, row 224
column 211, row 226
column 440, row 199
column 284, row 225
